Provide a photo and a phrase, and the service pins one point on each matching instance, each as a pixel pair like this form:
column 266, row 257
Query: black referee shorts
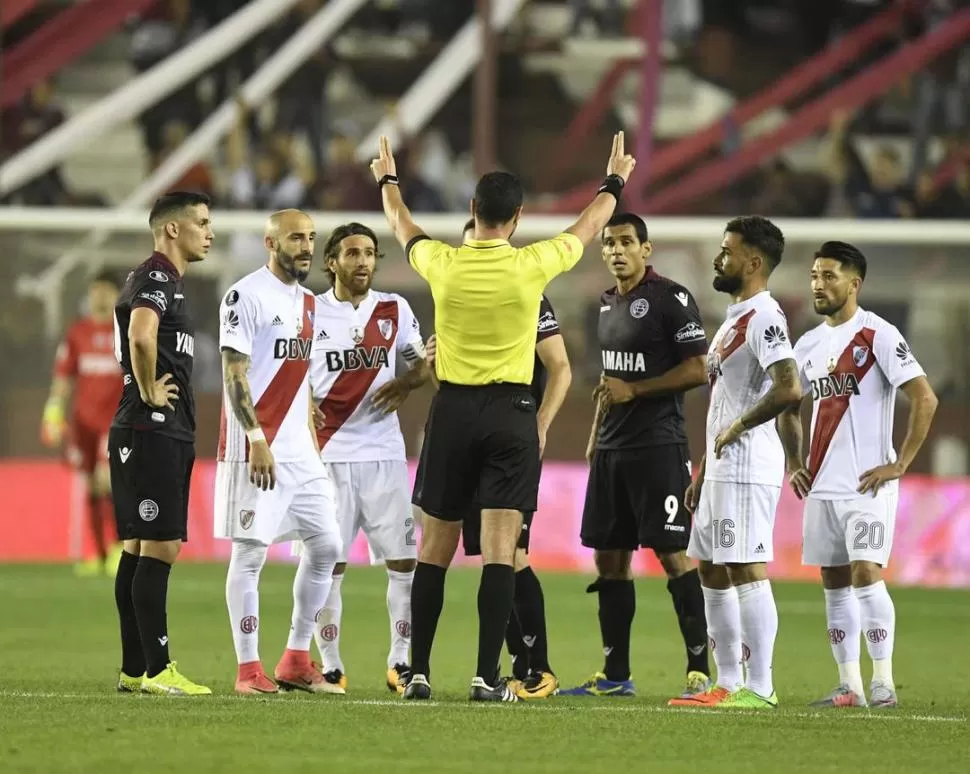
column 635, row 497
column 150, row 476
column 481, row 449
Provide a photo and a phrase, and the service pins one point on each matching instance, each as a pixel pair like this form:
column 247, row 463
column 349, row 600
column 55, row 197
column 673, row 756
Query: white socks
column 724, row 631
column 242, row 597
column 311, row 586
column 759, row 626
column 399, row 613
column 327, row 629
column 878, row 618
column 845, row 628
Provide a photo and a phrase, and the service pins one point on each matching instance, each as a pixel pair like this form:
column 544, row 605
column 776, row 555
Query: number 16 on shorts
column 734, row 523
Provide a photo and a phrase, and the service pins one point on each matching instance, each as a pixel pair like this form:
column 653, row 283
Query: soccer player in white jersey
column 270, row 483
column 753, row 378
column 358, row 387
column 851, row 366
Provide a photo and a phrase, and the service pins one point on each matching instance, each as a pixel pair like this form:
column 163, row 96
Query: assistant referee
column 482, row 436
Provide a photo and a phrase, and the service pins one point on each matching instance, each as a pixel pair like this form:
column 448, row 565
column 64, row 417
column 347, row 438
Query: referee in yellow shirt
column 482, row 437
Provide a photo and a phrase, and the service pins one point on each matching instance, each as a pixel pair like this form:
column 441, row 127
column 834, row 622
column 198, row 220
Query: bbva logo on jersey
column 359, row 358
column 292, row 349
column 835, row 386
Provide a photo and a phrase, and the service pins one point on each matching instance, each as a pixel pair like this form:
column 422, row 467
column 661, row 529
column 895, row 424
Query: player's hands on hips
column 693, row 494
column 430, row 350
column 389, row 397
column 800, row 479
column 384, row 164
column 873, row 479
column 727, row 437
column 620, row 162
column 319, row 418
column 164, row 393
column 262, row 466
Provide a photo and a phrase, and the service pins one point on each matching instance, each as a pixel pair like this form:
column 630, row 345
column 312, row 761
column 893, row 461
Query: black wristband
column 613, row 185
column 392, row 179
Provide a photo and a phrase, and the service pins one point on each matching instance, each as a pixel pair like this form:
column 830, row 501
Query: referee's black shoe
column 482, row 691
column 417, row 688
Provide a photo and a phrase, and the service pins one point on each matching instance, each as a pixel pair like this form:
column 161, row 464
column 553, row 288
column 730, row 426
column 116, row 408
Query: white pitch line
column 550, row 706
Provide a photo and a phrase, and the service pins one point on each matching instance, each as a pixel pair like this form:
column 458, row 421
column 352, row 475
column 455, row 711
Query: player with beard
column 653, row 346
column 851, row 366
column 270, row 483
column 358, row 388
column 753, row 379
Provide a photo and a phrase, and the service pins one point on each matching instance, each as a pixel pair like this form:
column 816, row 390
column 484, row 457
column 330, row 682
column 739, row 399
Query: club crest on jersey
column 356, row 333
column 246, row 518
column 639, row 308
column 860, row 355
column 386, row 327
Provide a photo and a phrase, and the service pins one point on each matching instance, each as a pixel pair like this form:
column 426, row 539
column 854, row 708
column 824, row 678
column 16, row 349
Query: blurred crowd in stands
column 299, row 153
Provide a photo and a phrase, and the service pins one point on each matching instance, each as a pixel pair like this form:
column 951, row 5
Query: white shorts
column 838, row 532
column 301, row 505
column 734, row 523
column 374, row 497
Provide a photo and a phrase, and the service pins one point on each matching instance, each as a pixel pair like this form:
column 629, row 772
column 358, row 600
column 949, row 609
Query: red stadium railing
column 790, row 87
column 59, row 41
column 855, row 92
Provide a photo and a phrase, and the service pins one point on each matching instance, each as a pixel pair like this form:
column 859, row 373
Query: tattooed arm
column 235, row 367
column 785, row 391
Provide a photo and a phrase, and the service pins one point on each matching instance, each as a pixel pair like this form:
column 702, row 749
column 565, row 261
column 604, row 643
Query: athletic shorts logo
column 403, row 628
column 329, row 633
column 639, row 308
column 249, row 624
column 745, row 652
column 158, row 276
column 148, row 510
column 246, row 518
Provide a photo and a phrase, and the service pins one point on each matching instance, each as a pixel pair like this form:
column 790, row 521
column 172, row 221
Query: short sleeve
column 768, row 338
column 410, row 344
column 894, row 357
column 65, row 361
column 238, row 319
column 800, row 352
column 548, row 324
column 556, row 255
column 684, row 324
column 153, row 290
column 423, row 252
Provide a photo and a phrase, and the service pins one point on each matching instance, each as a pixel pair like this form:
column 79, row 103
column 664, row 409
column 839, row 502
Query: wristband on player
column 392, row 179
column 255, row 435
column 613, row 185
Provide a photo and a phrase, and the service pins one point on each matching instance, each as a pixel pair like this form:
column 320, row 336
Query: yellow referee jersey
column 486, row 300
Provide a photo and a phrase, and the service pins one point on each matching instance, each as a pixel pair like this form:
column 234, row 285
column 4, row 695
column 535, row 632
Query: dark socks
column 495, row 599
column 427, row 599
column 518, row 650
column 149, row 593
column 530, row 609
column 132, row 654
column 688, row 599
column 618, row 605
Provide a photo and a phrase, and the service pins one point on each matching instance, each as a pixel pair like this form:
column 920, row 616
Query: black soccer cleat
column 482, row 691
column 418, row 688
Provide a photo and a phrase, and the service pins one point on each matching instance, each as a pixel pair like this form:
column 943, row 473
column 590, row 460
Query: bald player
column 270, row 483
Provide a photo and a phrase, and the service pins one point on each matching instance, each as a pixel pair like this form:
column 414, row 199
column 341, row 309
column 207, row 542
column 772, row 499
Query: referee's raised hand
column 620, row 163
column 384, row 165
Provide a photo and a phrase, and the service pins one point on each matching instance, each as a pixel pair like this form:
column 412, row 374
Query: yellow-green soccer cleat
column 538, row 685
column 89, row 568
column 129, row 684
column 745, row 698
column 170, row 682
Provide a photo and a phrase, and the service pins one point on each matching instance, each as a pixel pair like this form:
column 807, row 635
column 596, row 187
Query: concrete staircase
column 114, row 163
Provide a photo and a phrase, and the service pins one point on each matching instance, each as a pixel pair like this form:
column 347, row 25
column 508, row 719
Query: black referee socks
column 688, row 599
column 149, row 593
column 495, row 598
column 132, row 655
column 427, row 599
column 618, row 605
column 530, row 609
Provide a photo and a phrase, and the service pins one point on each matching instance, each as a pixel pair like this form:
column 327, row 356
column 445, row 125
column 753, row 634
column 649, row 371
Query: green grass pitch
column 59, row 712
